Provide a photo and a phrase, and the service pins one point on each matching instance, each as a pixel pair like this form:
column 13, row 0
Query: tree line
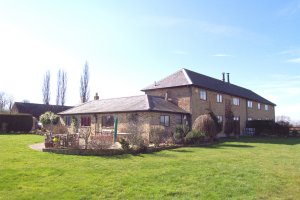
column 61, row 89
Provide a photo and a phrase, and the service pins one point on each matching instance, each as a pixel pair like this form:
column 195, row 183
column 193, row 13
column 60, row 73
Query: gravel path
column 37, row 147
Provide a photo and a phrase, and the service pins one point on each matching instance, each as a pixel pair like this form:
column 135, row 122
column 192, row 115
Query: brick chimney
column 96, row 97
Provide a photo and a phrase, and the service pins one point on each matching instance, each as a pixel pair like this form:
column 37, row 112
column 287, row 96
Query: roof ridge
column 186, row 76
column 147, row 102
column 119, row 97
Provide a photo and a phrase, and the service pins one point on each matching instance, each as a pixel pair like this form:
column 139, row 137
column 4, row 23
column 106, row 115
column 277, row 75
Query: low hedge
column 15, row 123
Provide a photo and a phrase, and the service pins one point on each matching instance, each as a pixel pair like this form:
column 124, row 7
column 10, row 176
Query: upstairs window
column 165, row 120
column 250, row 104
column 203, row 95
column 266, row 107
column 219, row 98
column 178, row 119
column 85, row 121
column 258, row 106
column 108, row 121
column 235, row 101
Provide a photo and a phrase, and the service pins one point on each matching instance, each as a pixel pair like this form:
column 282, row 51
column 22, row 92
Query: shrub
column 156, row 134
column 124, row 144
column 206, row 124
column 282, row 128
column 266, row 126
column 15, row 123
column 49, row 118
column 194, row 137
column 179, row 134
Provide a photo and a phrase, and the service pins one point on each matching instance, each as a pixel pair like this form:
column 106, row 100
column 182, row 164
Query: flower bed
column 106, row 152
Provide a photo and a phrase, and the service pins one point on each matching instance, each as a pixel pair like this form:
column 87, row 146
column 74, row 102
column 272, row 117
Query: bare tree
column 3, row 101
column 58, row 92
column 46, row 88
column 84, row 84
column 63, row 88
column 10, row 103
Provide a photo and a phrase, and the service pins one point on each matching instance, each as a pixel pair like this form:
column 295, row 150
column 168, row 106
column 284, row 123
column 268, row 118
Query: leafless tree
column 3, row 101
column 46, row 88
column 10, row 103
column 58, row 93
column 63, row 88
column 84, row 84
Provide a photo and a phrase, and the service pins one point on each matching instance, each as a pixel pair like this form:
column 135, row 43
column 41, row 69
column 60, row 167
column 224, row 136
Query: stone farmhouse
column 177, row 99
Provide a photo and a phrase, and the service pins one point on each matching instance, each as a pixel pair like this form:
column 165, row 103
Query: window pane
column 162, row 120
column 167, row 120
column 178, row 119
column 203, row 94
column 108, row 121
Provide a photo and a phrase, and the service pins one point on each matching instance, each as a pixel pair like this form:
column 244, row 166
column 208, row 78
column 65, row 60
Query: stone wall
column 188, row 98
column 129, row 122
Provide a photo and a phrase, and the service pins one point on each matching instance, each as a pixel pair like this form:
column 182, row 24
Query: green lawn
column 244, row 169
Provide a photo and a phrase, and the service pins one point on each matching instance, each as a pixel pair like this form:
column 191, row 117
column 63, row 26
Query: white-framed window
column 236, row 118
column 165, row 120
column 203, row 95
column 220, row 118
column 250, row 118
column 219, row 98
column 250, row 104
column 235, row 101
column 266, row 107
column 258, row 106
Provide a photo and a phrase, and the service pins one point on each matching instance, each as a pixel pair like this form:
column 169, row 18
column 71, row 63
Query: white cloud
column 201, row 25
column 294, row 60
column 222, row 55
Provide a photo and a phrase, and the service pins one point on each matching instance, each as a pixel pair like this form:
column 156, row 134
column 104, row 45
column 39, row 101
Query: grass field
column 243, row 169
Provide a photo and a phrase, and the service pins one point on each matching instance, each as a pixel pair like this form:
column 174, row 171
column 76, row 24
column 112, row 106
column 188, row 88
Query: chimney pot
column 96, row 97
column 228, row 80
column 223, row 76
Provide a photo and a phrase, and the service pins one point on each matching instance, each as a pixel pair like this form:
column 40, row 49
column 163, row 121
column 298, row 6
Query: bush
column 261, row 126
column 179, row 134
column 49, row 118
column 282, row 128
column 206, row 124
column 194, row 137
column 15, row 123
column 100, row 142
column 124, row 144
column 156, row 134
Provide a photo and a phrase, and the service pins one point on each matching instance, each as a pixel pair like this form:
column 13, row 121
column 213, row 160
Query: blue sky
column 131, row 43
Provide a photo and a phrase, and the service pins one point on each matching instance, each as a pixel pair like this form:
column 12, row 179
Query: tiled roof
column 37, row 110
column 186, row 77
column 125, row 104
